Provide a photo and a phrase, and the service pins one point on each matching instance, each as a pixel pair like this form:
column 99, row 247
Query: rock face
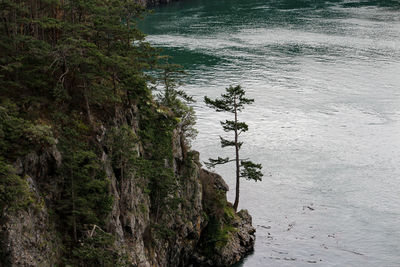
column 240, row 242
column 29, row 237
column 238, row 234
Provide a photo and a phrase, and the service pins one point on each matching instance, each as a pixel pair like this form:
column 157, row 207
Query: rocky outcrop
column 240, row 243
column 176, row 237
column 234, row 230
column 28, row 237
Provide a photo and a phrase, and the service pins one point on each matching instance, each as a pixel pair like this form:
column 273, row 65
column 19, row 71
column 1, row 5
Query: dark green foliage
column 231, row 125
column 69, row 69
column 233, row 101
column 162, row 231
column 187, row 123
column 121, row 146
column 19, row 136
column 177, row 100
column 213, row 162
column 156, row 133
column 250, row 170
column 220, row 217
column 65, row 65
column 14, row 191
column 171, row 76
column 216, row 235
column 225, row 143
column 81, row 50
column 86, row 199
column 97, row 249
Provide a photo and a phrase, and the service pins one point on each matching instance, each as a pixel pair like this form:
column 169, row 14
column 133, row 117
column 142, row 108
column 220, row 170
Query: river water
column 325, row 76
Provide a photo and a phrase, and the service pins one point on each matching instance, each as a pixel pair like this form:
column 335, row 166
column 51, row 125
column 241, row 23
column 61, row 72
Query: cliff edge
column 95, row 161
column 193, row 226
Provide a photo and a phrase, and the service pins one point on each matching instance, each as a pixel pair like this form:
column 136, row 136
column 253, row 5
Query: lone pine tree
column 233, row 101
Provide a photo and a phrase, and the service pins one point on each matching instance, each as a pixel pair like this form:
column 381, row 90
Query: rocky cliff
column 199, row 229
column 95, row 163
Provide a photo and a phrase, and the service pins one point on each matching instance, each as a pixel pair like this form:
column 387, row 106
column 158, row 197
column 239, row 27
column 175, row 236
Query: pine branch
column 225, row 142
column 185, row 96
column 218, row 104
column 251, row 171
column 214, row 162
column 231, row 125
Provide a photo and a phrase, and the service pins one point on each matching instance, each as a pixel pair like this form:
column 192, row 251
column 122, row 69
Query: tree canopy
column 69, row 69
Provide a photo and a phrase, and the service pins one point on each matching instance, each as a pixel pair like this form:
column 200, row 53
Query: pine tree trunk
column 85, row 94
column 236, row 204
column 73, row 206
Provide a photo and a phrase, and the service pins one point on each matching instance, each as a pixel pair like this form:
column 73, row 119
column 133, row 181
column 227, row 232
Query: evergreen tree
column 233, row 101
column 69, row 70
column 177, row 100
column 66, row 68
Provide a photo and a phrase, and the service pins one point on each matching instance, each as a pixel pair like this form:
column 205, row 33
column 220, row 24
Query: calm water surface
column 325, row 125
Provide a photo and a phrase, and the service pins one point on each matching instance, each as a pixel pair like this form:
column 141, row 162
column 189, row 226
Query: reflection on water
column 325, row 124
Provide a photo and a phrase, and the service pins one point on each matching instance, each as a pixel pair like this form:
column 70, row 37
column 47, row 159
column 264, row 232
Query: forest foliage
column 66, row 68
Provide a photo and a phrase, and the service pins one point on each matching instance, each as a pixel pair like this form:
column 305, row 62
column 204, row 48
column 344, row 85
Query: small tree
column 177, row 100
column 233, row 101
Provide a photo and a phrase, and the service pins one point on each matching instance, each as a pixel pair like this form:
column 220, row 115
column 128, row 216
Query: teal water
column 325, row 76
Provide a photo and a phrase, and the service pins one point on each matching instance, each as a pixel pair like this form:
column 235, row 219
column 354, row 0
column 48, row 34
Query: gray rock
column 219, row 183
column 29, row 238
